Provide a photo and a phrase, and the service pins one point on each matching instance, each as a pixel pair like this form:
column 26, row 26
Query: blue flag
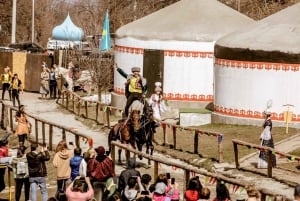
column 105, row 39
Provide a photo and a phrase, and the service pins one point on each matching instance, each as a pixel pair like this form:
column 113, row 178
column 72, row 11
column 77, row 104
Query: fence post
column 155, row 173
column 67, row 101
column 164, row 126
column 43, row 132
column 196, row 138
column 270, row 164
column 107, row 117
column 77, row 141
column 11, row 119
column 186, row 179
column 63, row 134
column 73, row 103
column 86, row 109
column 220, row 148
column 2, row 115
column 174, row 136
column 50, row 136
column 236, row 155
column 78, row 108
column 97, row 111
column 36, row 131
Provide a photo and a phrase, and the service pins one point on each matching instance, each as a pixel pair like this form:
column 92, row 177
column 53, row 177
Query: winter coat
column 75, row 164
column 100, row 168
column 61, row 161
column 36, row 163
column 126, row 174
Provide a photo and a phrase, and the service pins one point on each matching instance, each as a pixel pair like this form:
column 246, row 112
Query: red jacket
column 191, row 195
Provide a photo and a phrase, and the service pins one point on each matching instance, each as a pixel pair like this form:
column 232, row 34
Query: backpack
column 21, row 168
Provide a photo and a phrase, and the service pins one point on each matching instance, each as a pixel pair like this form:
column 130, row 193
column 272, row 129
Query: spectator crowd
column 91, row 176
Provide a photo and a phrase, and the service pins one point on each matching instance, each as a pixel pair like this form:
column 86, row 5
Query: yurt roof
column 67, row 31
column 187, row 20
column 278, row 32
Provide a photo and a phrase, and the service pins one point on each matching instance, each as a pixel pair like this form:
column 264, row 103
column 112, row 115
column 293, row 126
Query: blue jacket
column 75, row 164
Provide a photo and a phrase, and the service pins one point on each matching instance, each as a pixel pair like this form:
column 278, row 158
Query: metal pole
column 14, row 21
column 32, row 24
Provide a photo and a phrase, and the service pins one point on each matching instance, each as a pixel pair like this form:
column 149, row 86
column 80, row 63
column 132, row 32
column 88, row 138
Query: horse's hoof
column 140, row 157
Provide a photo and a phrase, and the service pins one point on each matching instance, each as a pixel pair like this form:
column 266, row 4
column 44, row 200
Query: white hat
column 160, row 188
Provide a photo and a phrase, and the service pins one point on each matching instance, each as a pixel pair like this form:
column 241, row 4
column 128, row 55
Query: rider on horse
column 135, row 88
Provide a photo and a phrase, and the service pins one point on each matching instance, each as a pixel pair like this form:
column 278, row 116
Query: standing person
column 193, row 190
column 135, row 87
column 252, row 192
column 16, row 87
column 222, row 192
column 75, row 163
column 127, row 173
column 58, row 80
column 37, row 171
column 6, row 79
column 74, row 191
column 156, row 102
column 101, row 167
column 61, row 161
column 5, row 157
column 23, row 127
column 44, row 89
column 21, row 174
column 266, row 140
column 52, row 83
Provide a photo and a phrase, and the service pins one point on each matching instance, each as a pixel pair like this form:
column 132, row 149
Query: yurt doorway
column 153, row 68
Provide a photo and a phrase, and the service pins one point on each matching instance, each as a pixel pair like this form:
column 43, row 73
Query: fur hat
column 135, row 69
column 100, row 150
column 157, row 84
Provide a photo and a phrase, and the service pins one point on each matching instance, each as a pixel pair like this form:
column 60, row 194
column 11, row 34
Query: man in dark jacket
column 126, row 174
column 37, row 171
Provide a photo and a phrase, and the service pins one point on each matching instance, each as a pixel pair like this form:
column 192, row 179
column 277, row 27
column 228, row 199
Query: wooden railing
column 188, row 170
column 269, row 150
column 74, row 103
column 42, row 127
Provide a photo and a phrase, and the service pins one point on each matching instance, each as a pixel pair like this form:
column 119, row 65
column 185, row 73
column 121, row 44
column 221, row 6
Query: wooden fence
column 8, row 119
column 74, row 103
column 188, row 170
column 269, row 150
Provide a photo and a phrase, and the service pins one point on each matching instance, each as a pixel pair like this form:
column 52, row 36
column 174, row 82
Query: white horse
column 83, row 78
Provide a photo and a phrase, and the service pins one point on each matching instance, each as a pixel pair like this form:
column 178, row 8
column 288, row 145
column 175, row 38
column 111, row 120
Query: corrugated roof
column 187, row 20
column 278, row 32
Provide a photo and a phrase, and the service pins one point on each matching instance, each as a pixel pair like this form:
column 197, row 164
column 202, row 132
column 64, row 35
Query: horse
column 76, row 78
column 136, row 130
column 121, row 132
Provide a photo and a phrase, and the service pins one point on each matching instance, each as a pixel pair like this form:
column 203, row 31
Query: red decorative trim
column 130, row 50
column 177, row 96
column 252, row 114
column 257, row 65
column 178, row 53
column 170, row 53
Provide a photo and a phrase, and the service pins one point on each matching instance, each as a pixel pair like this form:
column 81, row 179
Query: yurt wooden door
column 153, row 68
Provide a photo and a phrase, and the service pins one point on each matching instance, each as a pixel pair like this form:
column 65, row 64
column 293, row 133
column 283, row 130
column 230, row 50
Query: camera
column 173, row 181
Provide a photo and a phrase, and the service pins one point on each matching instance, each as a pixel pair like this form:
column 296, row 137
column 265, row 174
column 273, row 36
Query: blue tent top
column 67, row 31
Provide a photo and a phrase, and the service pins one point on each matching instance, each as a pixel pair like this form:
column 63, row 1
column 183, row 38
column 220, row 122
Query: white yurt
column 257, row 69
column 175, row 46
